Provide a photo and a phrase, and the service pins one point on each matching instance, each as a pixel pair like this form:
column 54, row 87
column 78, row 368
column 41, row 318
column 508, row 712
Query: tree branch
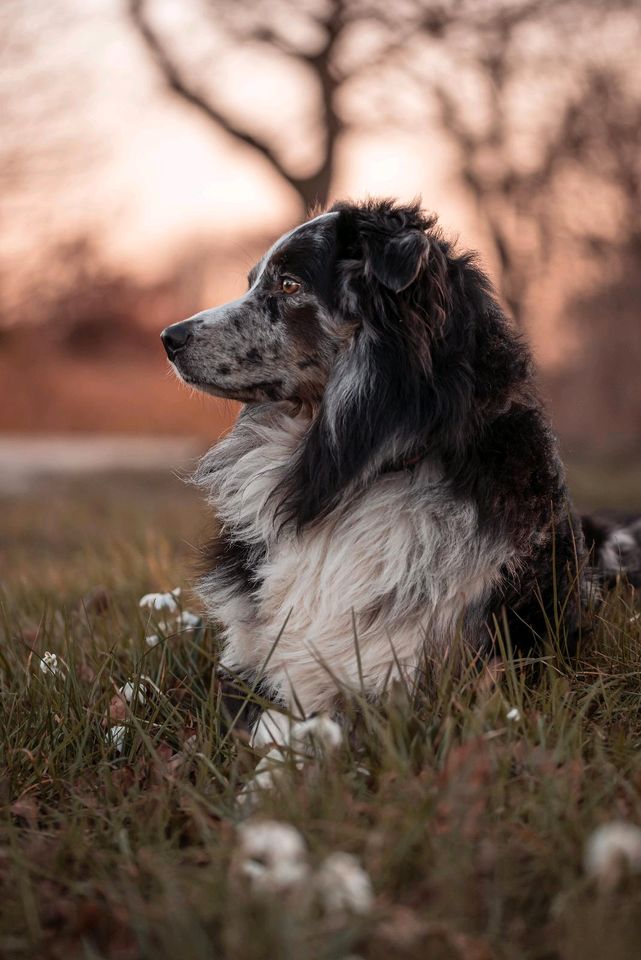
column 181, row 86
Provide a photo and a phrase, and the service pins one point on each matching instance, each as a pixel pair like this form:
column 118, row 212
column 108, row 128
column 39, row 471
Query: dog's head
column 303, row 308
column 364, row 316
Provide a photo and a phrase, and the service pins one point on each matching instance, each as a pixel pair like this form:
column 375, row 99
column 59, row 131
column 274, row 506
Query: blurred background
column 150, row 149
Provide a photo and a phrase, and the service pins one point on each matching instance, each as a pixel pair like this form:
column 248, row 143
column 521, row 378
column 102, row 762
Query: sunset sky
column 94, row 146
column 151, row 173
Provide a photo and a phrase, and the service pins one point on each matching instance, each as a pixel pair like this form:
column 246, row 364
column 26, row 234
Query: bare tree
column 37, row 128
column 607, row 135
column 533, row 107
column 606, row 317
column 510, row 83
column 41, row 139
column 317, row 45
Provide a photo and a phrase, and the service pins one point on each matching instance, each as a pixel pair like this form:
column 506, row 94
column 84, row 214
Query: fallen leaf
column 164, row 751
column 86, row 673
column 117, row 710
column 402, row 928
column 124, row 778
column 27, row 809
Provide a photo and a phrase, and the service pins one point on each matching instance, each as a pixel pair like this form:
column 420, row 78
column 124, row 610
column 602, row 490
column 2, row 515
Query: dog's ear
column 389, row 242
column 396, row 261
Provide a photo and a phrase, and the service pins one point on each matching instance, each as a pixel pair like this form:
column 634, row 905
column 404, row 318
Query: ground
column 472, row 826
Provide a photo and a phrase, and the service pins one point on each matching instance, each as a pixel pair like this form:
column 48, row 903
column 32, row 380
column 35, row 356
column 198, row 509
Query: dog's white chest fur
column 397, row 570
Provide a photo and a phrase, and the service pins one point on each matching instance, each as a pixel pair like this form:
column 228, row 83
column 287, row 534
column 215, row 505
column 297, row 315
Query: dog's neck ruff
column 357, row 596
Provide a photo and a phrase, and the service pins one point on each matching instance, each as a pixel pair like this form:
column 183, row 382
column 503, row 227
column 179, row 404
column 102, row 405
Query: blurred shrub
column 86, row 306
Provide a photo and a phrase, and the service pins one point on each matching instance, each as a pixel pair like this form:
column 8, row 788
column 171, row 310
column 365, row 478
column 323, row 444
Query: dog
column 392, row 487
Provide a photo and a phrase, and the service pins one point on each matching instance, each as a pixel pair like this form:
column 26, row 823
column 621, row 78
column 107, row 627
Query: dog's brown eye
column 288, row 285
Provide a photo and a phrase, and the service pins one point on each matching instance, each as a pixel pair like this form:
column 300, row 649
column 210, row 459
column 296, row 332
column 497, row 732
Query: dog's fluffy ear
column 389, row 241
column 396, row 261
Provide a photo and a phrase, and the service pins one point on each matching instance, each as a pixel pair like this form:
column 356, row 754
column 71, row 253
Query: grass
column 472, row 827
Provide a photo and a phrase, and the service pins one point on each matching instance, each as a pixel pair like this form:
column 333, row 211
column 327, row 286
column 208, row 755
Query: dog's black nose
column 176, row 337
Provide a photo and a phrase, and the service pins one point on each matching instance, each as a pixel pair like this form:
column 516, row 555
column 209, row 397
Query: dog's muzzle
column 176, row 337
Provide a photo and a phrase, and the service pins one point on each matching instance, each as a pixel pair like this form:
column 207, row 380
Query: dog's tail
column 614, row 545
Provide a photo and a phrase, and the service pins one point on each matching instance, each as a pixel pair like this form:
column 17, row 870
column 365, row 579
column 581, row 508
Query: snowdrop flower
column 296, row 742
column 272, row 727
column 115, row 737
column 49, row 664
column 144, row 683
column 611, row 850
column 309, row 737
column 272, row 856
column 161, row 601
column 266, row 772
column 343, row 885
column 129, row 689
column 185, row 620
column 316, row 735
column 188, row 620
column 514, row 714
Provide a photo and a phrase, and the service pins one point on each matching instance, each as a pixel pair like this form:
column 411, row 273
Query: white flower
column 513, row 714
column 291, row 741
column 188, row 620
column 272, row 727
column 49, row 664
column 309, row 737
column 128, row 690
column 317, row 735
column 115, row 737
column 267, row 772
column 611, row 850
column 161, row 601
column 343, row 885
column 174, row 619
column 272, row 856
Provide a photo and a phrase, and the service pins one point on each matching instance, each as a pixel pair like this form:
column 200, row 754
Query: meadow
column 468, row 805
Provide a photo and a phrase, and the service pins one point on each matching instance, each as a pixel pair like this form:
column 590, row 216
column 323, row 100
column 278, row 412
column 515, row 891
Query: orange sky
column 157, row 174
column 149, row 175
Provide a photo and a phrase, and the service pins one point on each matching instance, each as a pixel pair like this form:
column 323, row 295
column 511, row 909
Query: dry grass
column 472, row 827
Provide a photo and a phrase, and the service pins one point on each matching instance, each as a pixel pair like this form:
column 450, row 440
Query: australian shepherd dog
column 392, row 487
